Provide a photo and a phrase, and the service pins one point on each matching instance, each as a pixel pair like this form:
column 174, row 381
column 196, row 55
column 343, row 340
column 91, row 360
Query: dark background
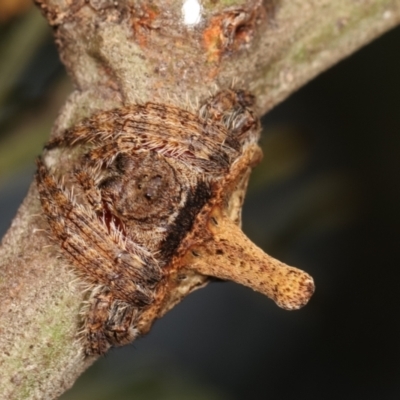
column 325, row 199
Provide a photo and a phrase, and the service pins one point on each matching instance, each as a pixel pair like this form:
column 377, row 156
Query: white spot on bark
column 387, row 14
column 191, row 11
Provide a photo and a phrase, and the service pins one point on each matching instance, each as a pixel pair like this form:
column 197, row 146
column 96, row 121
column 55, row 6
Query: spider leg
column 212, row 159
column 99, row 253
column 233, row 109
column 95, row 130
column 108, row 322
column 200, row 143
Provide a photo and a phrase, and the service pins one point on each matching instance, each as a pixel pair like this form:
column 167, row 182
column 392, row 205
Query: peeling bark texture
column 130, row 51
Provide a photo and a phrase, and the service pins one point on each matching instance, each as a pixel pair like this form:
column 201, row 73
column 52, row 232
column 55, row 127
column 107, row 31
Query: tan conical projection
column 229, row 254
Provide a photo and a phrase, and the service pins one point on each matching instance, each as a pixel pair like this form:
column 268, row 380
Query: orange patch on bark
column 142, row 23
column 230, row 31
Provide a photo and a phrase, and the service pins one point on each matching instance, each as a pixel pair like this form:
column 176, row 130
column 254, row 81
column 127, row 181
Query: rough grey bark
column 134, row 51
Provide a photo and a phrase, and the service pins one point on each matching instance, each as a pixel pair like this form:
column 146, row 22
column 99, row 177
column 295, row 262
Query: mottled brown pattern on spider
column 152, row 206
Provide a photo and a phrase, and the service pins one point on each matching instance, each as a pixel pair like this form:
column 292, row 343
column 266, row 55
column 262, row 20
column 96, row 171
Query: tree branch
column 139, row 51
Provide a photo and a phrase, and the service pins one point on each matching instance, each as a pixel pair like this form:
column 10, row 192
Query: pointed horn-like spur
column 229, row 254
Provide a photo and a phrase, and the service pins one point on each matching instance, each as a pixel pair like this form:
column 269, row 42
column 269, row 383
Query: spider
column 151, row 209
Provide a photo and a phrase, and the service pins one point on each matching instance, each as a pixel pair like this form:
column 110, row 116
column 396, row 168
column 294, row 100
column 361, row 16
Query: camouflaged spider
column 153, row 200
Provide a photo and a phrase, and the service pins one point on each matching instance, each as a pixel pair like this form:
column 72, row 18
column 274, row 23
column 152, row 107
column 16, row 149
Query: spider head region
column 149, row 194
column 144, row 188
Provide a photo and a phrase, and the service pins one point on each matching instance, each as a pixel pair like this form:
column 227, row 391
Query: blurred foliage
column 12, row 8
column 20, row 40
column 146, row 384
column 285, row 152
column 26, row 133
column 32, row 89
column 323, row 202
